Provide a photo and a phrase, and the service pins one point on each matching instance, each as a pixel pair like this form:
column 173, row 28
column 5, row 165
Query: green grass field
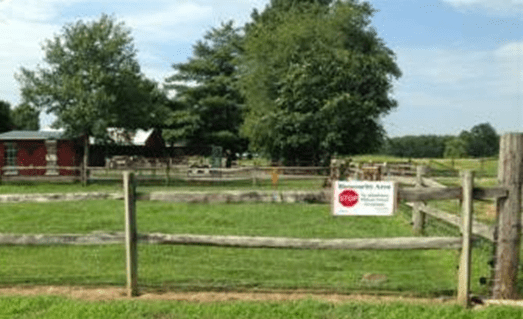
column 51, row 307
column 195, row 267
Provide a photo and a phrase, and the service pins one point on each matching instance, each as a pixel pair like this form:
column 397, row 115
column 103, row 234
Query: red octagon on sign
column 348, row 198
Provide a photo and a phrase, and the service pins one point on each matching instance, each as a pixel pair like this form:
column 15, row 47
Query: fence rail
column 396, row 243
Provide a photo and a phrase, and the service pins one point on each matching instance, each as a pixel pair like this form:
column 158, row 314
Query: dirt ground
column 114, row 293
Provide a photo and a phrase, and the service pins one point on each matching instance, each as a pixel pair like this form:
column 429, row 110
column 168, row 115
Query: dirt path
column 113, row 293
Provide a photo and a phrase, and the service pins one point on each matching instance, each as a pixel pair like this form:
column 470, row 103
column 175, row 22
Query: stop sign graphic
column 348, row 198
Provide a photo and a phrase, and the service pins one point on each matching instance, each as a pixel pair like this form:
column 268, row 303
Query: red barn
column 45, row 150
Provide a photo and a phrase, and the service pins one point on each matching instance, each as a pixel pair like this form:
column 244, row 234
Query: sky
column 462, row 60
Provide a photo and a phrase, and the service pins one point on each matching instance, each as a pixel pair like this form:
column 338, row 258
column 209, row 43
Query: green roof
column 31, row 135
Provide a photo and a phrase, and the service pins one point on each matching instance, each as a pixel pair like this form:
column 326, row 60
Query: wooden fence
column 132, row 238
column 168, row 174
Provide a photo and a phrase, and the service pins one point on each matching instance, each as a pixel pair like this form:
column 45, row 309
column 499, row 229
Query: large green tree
column 207, row 107
column 483, row 141
column 317, row 80
column 92, row 80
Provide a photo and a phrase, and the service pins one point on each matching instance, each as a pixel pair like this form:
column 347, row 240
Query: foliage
column 316, row 78
column 6, row 123
column 207, row 108
column 92, row 80
column 455, row 148
column 26, row 117
column 482, row 141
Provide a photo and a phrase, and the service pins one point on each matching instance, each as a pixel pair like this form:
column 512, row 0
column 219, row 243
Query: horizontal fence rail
column 324, row 196
column 478, row 229
column 395, row 243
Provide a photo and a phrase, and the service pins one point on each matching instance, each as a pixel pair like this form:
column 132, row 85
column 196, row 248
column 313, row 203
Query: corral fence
column 166, row 174
column 131, row 237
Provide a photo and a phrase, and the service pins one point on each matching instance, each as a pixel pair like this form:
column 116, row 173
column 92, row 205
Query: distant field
column 52, row 307
column 440, row 166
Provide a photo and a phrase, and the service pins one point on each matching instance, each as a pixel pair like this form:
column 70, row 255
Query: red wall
column 155, row 140
column 68, row 155
column 31, row 152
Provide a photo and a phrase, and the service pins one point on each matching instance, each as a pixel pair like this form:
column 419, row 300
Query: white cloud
column 174, row 22
column 506, row 6
column 494, row 72
column 449, row 90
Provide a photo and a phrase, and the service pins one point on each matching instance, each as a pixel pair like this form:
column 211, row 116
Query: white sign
column 363, row 198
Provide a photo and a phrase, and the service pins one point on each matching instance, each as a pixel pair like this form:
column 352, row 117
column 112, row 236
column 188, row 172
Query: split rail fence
column 256, row 174
column 131, row 237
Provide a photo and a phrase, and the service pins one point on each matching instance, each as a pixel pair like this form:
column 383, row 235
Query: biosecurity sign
column 362, row 198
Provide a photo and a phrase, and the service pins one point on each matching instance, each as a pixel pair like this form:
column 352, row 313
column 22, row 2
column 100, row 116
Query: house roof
column 122, row 137
column 31, row 135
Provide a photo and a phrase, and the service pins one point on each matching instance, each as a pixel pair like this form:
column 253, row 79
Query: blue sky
column 462, row 60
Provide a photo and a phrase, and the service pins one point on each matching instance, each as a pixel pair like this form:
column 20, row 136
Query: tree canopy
column 316, row 79
column 25, row 117
column 207, row 107
column 92, row 80
column 482, row 141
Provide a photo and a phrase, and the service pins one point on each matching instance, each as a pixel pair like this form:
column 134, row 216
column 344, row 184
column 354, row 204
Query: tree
column 483, row 141
column 6, row 123
column 456, row 148
column 316, row 79
column 92, row 81
column 25, row 117
column 207, row 107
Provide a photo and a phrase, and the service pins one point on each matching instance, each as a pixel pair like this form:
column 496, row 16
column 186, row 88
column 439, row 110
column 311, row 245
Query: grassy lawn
column 50, row 307
column 196, row 267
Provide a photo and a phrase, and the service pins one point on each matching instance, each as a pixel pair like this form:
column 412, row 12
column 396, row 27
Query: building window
column 11, row 153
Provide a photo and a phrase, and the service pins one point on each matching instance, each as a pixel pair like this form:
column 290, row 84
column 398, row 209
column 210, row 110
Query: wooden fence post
column 466, row 230
column 253, row 173
column 131, row 235
column 510, row 175
column 418, row 217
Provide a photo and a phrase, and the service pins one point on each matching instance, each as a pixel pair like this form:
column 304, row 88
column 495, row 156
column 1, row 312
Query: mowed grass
column 51, row 307
column 197, row 267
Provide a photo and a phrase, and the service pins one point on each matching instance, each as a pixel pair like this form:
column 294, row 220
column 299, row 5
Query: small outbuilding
column 26, row 154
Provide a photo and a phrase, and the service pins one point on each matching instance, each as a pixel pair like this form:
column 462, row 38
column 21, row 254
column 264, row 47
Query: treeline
column 22, row 117
column 481, row 141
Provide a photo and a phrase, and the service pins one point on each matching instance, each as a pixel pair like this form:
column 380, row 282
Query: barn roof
column 124, row 137
column 31, row 135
